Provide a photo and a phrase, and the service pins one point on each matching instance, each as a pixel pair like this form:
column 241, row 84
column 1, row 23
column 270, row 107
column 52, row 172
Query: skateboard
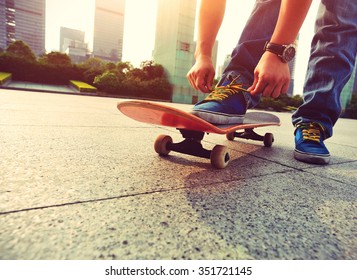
column 194, row 128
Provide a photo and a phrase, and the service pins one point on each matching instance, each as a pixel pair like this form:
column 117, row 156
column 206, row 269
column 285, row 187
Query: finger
column 252, row 88
column 285, row 88
column 206, row 80
column 191, row 80
column 202, row 84
column 189, row 77
column 209, row 80
column 276, row 91
column 268, row 90
column 260, row 87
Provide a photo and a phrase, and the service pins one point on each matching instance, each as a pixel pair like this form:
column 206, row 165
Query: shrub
column 282, row 103
column 107, row 82
column 351, row 108
column 21, row 50
column 24, row 70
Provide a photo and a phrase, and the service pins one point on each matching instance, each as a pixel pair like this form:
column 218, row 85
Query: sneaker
column 309, row 145
column 226, row 104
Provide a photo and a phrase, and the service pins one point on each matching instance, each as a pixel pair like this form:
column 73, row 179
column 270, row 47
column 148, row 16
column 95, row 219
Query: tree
column 152, row 70
column 282, row 103
column 56, row 58
column 107, row 82
column 93, row 63
column 351, row 109
column 92, row 67
column 124, row 67
column 110, row 66
column 21, row 50
column 137, row 73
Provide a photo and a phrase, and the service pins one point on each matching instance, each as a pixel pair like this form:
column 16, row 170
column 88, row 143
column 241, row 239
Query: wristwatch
column 285, row 52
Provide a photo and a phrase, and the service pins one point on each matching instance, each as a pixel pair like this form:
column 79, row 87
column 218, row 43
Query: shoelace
column 311, row 131
column 222, row 92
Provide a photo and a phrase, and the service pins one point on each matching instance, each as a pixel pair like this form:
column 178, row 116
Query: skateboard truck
column 250, row 134
column 191, row 145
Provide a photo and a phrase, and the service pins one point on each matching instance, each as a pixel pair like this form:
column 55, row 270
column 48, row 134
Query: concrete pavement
column 78, row 180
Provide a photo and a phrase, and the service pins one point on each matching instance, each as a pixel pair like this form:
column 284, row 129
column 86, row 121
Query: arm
column 271, row 76
column 211, row 15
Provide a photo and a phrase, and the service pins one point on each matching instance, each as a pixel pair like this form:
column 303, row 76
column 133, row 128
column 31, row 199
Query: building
column 174, row 46
column 292, row 65
column 72, row 43
column 349, row 89
column 221, row 68
column 109, row 30
column 23, row 20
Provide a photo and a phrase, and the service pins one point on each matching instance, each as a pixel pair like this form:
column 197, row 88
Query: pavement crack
column 78, row 202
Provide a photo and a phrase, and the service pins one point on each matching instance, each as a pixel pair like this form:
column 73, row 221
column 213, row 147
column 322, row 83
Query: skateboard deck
column 155, row 113
column 194, row 128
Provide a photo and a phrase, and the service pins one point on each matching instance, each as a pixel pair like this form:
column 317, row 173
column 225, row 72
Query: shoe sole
column 312, row 158
column 218, row 118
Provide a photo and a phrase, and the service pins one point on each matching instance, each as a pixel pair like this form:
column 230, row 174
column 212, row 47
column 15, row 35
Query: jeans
column 331, row 62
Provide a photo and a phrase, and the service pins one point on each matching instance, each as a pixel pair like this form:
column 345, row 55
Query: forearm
column 272, row 75
column 291, row 17
column 211, row 13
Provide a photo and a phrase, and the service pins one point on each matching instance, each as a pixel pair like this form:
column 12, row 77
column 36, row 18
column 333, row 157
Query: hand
column 271, row 76
column 201, row 74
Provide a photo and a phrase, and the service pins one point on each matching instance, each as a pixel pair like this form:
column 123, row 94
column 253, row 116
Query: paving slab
column 246, row 219
column 78, row 180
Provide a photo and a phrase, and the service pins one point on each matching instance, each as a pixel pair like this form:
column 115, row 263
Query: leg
column 247, row 53
column 229, row 101
column 332, row 58
column 333, row 53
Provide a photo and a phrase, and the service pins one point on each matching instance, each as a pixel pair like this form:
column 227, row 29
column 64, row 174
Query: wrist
column 285, row 52
column 202, row 56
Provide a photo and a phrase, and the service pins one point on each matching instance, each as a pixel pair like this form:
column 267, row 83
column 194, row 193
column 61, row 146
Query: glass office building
column 23, row 20
column 175, row 46
column 72, row 43
column 109, row 30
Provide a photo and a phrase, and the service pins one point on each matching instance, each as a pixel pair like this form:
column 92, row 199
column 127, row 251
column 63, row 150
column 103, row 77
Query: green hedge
column 23, row 70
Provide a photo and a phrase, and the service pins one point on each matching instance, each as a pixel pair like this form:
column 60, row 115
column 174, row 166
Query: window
column 185, row 47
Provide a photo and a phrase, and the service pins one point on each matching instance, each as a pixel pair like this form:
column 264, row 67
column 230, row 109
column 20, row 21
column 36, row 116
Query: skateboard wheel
column 230, row 136
column 161, row 145
column 268, row 139
column 220, row 157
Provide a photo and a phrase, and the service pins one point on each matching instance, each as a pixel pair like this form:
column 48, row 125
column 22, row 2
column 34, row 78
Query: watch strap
column 274, row 48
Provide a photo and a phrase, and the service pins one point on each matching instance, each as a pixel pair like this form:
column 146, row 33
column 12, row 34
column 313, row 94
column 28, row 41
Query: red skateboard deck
column 193, row 129
column 155, row 113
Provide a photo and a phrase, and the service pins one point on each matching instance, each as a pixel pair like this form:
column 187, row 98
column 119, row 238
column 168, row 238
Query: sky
column 140, row 24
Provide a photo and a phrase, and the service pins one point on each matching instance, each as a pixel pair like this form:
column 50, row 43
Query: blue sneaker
column 226, row 104
column 309, row 145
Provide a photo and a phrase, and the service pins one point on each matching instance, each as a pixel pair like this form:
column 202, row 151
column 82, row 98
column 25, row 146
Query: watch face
column 289, row 53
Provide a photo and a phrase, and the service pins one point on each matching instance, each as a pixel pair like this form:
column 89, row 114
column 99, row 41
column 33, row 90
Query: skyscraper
column 174, row 45
column 72, row 43
column 23, row 20
column 109, row 29
column 69, row 36
column 292, row 65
